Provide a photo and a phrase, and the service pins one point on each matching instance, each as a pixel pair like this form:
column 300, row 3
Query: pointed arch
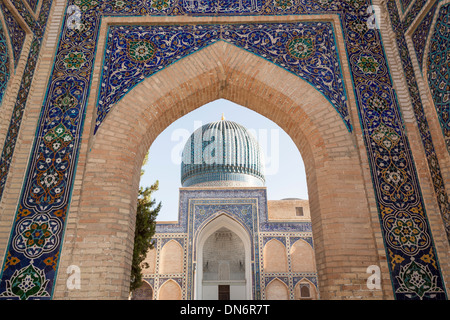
column 150, row 259
column 275, row 256
column 170, row 290
column 171, row 258
column 302, row 257
column 436, row 70
column 111, row 160
column 277, row 290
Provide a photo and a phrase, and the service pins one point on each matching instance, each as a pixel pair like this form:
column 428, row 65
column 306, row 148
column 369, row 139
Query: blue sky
column 285, row 173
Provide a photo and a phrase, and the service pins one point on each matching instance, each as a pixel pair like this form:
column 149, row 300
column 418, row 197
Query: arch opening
column 114, row 155
column 223, row 258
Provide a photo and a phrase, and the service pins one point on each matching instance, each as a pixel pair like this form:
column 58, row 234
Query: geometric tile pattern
column 413, row 12
column 38, row 27
column 33, row 4
column 155, row 279
column 424, row 130
column 290, row 278
column 49, row 178
column 405, row 4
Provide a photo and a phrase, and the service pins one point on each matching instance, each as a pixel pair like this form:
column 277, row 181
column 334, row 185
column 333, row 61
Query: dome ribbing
column 222, row 153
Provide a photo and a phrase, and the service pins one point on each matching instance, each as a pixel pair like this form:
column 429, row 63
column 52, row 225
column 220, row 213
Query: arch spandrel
column 306, row 49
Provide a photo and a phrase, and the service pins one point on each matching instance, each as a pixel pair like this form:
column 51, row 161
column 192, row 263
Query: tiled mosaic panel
column 405, row 4
column 198, row 207
column 306, row 49
column 4, row 62
column 420, row 35
column 413, row 12
column 290, row 278
column 249, row 208
column 50, row 174
column 33, row 4
column 16, row 33
column 156, row 280
column 38, row 27
column 438, row 70
column 433, row 163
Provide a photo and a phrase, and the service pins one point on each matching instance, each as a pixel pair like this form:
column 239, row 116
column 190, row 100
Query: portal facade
column 87, row 85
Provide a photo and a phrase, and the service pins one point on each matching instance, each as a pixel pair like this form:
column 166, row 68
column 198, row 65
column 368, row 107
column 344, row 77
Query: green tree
column 146, row 214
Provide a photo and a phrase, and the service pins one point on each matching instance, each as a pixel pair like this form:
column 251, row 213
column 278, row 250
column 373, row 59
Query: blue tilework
column 438, row 70
column 4, row 62
column 16, row 33
column 276, row 42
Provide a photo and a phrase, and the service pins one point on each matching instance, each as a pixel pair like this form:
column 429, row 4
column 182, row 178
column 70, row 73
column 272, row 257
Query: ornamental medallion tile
column 37, row 235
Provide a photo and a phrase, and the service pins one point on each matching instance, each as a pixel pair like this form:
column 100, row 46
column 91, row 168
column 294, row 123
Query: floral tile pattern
column 438, row 70
column 303, row 49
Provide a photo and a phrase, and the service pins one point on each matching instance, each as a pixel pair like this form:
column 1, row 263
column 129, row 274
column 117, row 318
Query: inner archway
column 283, row 165
column 341, row 219
column 223, row 259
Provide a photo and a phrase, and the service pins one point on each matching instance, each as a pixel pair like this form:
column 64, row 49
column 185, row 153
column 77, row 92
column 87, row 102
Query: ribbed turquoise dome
column 222, row 153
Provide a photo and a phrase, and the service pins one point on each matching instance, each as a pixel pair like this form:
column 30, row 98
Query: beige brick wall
column 286, row 210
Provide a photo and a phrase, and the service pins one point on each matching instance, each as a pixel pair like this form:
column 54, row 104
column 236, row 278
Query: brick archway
column 100, row 229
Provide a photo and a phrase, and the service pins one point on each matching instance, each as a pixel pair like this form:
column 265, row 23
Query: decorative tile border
column 15, row 31
column 38, row 28
column 4, row 62
column 430, row 153
column 33, row 4
column 306, row 49
column 438, row 69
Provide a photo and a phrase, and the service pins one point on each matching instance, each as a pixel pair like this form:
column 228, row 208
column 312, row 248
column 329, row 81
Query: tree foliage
column 146, row 214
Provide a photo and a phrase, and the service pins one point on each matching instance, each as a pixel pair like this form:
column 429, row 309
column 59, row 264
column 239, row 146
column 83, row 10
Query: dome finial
column 223, row 117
